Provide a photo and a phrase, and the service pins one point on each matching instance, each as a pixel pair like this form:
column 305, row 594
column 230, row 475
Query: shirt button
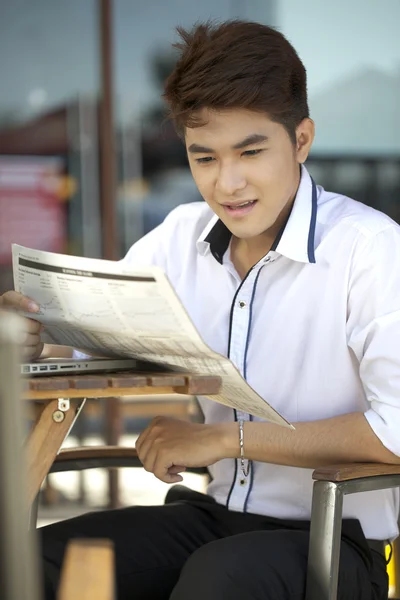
column 267, row 259
column 242, row 304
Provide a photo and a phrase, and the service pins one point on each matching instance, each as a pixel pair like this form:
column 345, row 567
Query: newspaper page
column 107, row 308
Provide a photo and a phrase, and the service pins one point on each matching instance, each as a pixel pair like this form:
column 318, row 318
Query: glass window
column 352, row 55
column 49, row 55
column 48, row 115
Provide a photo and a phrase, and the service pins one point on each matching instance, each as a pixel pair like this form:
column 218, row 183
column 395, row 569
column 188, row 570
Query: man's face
column 246, row 167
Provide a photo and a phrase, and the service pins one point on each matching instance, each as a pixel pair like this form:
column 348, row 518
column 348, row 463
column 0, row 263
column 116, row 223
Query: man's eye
column 253, row 152
column 204, row 159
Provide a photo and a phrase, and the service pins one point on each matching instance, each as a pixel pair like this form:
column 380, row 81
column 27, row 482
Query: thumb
column 17, row 301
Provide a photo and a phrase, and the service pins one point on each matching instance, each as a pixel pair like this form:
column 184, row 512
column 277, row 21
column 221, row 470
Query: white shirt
column 314, row 328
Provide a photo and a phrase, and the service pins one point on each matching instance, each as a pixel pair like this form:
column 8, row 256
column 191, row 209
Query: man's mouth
column 240, row 209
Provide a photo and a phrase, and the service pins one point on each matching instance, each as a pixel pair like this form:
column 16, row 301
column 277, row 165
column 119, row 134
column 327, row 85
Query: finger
column 32, row 327
column 146, row 432
column 17, row 301
column 175, row 469
column 31, row 340
column 139, row 442
column 32, row 352
column 162, row 470
column 148, row 455
column 167, row 478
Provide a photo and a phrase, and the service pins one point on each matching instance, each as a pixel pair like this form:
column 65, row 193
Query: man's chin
column 248, row 232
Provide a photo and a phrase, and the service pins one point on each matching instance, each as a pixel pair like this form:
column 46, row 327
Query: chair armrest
column 88, row 571
column 95, row 457
column 332, row 483
column 101, row 457
column 350, row 471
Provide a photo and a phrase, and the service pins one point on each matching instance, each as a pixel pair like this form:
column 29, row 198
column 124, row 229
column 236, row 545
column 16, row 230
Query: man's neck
column 246, row 253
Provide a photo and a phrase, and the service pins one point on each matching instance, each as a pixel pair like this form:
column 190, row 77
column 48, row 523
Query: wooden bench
column 88, row 571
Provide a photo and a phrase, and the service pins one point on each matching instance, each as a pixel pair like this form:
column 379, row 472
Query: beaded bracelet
column 243, row 466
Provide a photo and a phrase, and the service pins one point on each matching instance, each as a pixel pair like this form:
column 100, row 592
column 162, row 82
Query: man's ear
column 305, row 133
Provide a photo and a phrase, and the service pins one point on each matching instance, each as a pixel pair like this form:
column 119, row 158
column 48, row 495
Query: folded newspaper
column 107, row 308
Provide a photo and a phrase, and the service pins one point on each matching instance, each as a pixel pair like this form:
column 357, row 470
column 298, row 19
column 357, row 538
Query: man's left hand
column 167, row 446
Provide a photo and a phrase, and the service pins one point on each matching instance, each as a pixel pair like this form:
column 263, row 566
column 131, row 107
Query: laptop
column 67, row 366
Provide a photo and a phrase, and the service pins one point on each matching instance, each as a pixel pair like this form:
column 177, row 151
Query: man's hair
column 236, row 65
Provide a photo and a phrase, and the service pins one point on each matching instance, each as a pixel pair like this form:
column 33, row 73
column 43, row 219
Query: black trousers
column 195, row 549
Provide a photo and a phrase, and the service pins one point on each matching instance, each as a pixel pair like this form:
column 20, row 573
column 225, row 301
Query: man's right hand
column 31, row 343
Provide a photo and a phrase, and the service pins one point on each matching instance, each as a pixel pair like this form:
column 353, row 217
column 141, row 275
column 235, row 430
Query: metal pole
column 108, row 204
column 325, row 537
column 19, row 576
column 83, row 162
column 107, row 139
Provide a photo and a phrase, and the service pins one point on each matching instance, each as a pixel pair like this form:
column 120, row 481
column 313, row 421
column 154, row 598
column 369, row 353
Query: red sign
column 32, row 205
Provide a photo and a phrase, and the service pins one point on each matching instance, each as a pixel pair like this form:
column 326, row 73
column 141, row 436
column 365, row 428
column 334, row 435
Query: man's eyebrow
column 250, row 140
column 199, row 149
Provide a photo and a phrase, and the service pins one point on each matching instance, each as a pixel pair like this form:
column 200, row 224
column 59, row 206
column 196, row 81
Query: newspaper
column 107, row 308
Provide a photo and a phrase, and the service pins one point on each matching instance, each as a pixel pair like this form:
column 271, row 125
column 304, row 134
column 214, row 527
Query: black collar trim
column 219, row 238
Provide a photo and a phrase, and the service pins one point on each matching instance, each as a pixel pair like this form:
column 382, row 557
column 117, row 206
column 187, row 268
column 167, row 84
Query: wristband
column 243, row 466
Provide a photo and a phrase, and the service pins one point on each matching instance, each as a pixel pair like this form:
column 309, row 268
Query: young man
column 298, row 287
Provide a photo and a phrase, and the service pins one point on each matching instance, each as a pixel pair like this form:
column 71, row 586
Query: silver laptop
column 59, row 366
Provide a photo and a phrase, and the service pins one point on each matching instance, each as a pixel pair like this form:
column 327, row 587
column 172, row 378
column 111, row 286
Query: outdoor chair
column 330, row 485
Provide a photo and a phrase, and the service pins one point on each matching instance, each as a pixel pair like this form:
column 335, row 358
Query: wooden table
column 58, row 401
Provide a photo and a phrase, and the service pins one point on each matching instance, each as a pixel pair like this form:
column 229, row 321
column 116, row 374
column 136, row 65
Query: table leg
column 45, row 439
column 113, row 425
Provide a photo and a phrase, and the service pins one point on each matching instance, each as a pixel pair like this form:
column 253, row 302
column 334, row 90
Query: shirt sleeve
column 373, row 331
column 153, row 249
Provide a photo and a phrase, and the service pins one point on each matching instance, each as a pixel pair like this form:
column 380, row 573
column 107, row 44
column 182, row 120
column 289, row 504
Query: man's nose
column 230, row 180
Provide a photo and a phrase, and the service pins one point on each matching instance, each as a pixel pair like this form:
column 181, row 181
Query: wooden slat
column 44, row 442
column 127, row 381
column 98, row 452
column 345, row 472
column 48, row 383
column 197, row 383
column 163, row 379
column 87, row 382
column 88, row 571
column 106, row 392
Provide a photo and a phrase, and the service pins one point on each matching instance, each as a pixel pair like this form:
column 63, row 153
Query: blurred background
column 88, row 163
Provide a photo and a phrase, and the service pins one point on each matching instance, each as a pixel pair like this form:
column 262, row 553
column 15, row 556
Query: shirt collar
column 297, row 239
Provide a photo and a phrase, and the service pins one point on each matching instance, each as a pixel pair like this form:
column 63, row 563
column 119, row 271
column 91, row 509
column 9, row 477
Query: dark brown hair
column 236, row 64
